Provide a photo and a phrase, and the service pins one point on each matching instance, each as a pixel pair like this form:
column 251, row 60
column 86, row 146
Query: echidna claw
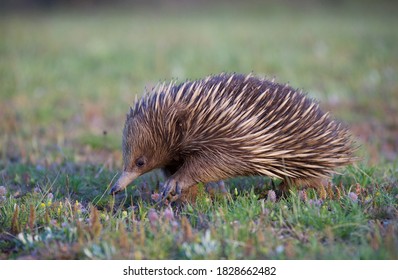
column 177, row 195
column 166, row 189
column 172, row 189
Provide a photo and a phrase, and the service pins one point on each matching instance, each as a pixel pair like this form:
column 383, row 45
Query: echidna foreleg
column 289, row 183
column 197, row 169
column 174, row 186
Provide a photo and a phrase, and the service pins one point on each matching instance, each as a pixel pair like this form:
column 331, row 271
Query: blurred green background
column 69, row 70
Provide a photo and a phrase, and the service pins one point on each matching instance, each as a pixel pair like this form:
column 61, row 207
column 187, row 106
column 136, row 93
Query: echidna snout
column 124, row 180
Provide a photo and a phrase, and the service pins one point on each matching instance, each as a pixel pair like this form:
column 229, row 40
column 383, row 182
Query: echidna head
column 142, row 151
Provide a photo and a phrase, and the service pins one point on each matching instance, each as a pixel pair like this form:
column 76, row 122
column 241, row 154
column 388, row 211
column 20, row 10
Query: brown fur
column 232, row 125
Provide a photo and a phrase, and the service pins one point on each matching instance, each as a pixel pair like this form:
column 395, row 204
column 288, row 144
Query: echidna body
column 231, row 125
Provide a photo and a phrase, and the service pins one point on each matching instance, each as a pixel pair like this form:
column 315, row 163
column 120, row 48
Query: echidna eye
column 140, row 162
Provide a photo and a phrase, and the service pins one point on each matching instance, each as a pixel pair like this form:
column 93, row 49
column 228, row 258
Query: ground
column 67, row 79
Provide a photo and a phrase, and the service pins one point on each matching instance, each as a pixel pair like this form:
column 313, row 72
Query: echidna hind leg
column 313, row 182
column 289, row 183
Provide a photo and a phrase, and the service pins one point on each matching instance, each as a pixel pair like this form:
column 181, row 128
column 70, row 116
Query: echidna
column 231, row 125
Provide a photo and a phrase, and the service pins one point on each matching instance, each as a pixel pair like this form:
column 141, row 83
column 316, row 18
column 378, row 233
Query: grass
column 51, row 221
column 67, row 79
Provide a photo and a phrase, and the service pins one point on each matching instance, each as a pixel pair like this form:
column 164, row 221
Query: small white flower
column 153, row 216
column 3, row 191
column 279, row 249
column 168, row 214
column 271, row 196
column 353, row 197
